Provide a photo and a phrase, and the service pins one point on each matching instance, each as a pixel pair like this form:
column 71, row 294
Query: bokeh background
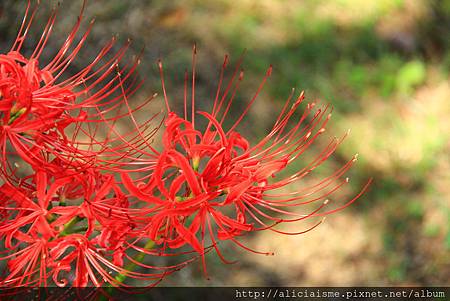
column 384, row 66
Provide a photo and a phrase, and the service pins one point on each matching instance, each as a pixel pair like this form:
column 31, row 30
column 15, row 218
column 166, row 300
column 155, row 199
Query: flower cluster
column 83, row 203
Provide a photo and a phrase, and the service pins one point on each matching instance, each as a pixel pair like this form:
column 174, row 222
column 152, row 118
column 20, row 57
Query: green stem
column 195, row 163
column 139, row 258
column 129, row 267
column 68, row 228
column 62, row 200
column 16, row 115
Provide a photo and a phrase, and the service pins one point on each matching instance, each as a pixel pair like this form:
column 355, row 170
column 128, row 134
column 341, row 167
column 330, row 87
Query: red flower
column 73, row 226
column 76, row 257
column 213, row 184
column 69, row 220
column 67, row 204
column 38, row 108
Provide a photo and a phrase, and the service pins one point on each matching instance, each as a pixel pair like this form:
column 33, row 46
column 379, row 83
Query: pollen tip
column 326, row 201
column 347, row 179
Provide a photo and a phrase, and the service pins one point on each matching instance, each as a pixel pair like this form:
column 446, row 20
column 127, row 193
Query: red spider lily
column 90, row 264
column 70, row 222
column 213, row 184
column 48, row 230
column 69, row 202
column 44, row 115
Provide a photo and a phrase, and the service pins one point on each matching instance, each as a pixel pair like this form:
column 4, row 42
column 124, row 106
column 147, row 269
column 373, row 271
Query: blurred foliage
column 384, row 66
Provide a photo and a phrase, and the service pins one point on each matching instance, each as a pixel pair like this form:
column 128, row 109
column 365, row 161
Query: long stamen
column 160, row 66
column 194, row 62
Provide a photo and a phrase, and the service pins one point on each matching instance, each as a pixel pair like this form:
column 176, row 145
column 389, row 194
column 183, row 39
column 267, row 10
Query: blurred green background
column 384, row 66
